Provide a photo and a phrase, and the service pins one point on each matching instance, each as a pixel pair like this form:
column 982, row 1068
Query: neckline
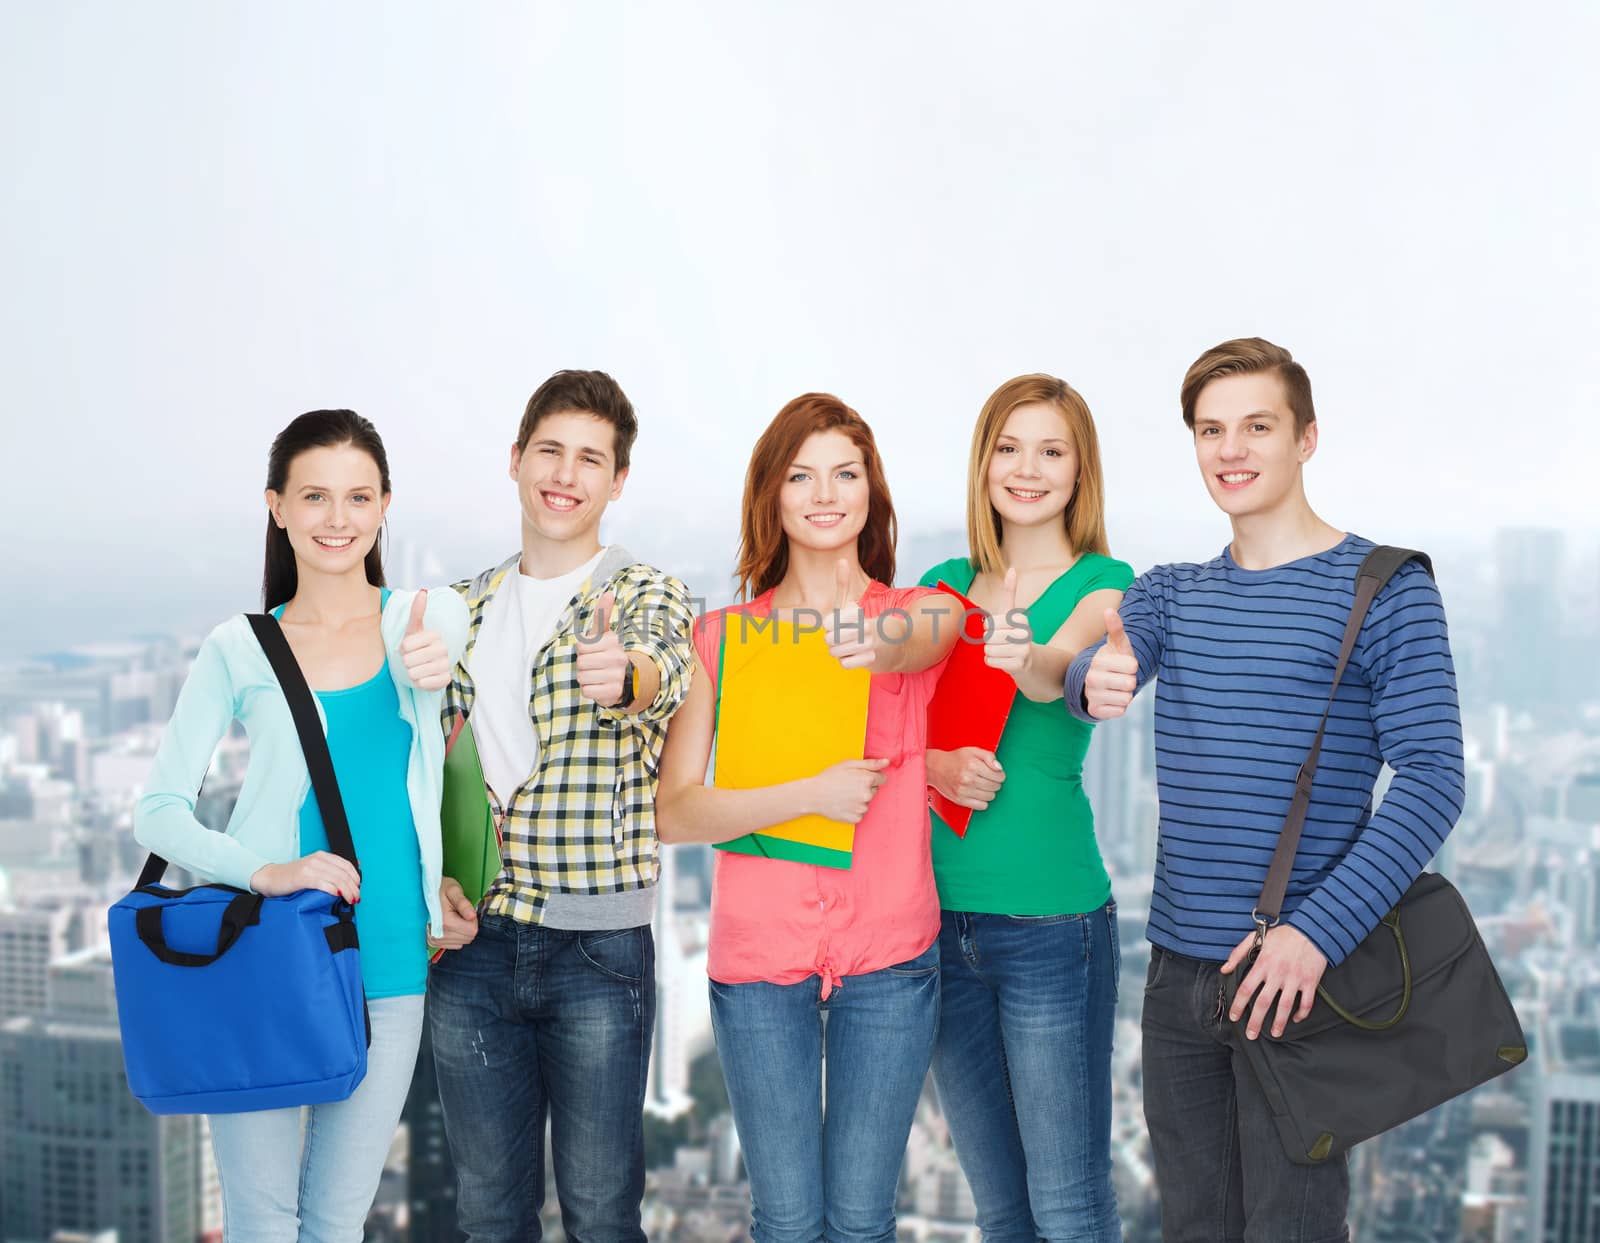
column 1055, row 583
column 1230, row 563
column 359, row 686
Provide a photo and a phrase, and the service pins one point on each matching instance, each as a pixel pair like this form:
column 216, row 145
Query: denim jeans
column 1023, row 1068
column 1223, row 1174
column 529, row 1022
column 829, row 1173
column 311, row 1174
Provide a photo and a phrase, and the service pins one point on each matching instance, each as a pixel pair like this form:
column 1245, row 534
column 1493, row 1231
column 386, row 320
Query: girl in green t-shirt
column 1028, row 937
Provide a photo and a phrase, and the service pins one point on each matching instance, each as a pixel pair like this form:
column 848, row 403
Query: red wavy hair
column 763, row 547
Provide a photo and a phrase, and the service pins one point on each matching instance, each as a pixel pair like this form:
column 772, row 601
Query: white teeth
column 330, row 541
column 1023, row 494
column 560, row 502
column 1239, row 478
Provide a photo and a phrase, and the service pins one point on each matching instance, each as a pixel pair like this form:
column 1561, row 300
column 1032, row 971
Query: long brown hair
column 763, row 547
column 1085, row 516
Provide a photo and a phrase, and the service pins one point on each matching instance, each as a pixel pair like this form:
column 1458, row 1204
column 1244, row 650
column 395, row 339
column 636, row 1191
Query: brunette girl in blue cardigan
column 377, row 662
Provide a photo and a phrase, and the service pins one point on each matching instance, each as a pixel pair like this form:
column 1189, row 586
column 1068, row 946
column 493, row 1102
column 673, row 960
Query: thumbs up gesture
column 1113, row 674
column 1010, row 642
column 602, row 662
column 852, row 638
column 426, row 658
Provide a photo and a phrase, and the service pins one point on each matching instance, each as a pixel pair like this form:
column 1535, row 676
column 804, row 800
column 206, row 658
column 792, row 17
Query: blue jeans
column 528, row 1022
column 311, row 1174
column 1223, row 1174
column 1023, row 1068
column 831, row 1174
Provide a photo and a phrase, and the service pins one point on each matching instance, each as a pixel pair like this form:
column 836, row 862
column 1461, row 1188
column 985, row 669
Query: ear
column 516, row 461
column 1308, row 441
column 383, row 505
column 274, row 506
column 616, row 483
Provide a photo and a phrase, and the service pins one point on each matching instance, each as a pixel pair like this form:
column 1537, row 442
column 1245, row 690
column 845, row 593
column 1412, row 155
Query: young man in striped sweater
column 1243, row 649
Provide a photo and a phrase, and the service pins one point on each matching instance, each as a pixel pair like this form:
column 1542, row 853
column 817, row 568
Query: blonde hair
column 1084, row 518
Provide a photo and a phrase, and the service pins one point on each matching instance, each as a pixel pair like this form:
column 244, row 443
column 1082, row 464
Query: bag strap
column 1377, row 568
column 313, row 744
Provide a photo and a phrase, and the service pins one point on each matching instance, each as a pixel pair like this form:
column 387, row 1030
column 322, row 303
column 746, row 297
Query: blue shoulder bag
column 232, row 1001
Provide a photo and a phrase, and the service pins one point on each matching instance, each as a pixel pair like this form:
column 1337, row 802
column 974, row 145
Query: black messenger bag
column 1414, row 1016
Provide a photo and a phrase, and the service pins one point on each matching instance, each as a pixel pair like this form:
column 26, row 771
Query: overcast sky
column 220, row 215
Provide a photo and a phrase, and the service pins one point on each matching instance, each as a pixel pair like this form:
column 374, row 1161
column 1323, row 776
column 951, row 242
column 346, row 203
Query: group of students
column 993, row 957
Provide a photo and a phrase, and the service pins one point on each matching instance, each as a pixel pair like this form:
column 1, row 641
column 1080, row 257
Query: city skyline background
column 221, row 216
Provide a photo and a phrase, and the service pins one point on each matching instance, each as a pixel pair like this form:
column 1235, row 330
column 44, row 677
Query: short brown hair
column 763, row 547
column 1084, row 518
column 583, row 392
column 1249, row 356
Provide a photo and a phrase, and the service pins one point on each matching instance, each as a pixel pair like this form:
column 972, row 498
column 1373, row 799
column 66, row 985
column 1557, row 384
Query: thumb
column 988, row 758
column 1008, row 591
column 841, row 585
column 601, row 619
column 419, row 605
column 1116, row 636
column 876, row 765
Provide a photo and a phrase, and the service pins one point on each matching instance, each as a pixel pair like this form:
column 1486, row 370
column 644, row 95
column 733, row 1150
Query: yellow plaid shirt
column 584, row 820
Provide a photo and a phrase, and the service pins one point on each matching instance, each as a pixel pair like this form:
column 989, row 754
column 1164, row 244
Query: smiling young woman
column 791, row 942
column 377, row 662
column 1028, row 938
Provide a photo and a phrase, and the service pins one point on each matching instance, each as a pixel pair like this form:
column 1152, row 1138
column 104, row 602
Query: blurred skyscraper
column 77, row 1152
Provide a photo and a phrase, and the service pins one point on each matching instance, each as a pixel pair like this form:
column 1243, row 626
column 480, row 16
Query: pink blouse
column 783, row 922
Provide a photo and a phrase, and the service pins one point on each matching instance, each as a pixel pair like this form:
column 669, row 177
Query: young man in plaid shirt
column 576, row 656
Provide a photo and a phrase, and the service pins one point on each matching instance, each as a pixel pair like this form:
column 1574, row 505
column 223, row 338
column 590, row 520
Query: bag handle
column 1377, row 568
column 243, row 911
column 313, row 744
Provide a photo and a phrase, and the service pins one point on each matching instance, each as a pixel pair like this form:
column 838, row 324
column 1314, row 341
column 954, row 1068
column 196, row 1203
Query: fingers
column 1262, row 1007
column 1252, row 981
column 988, row 758
column 419, row 606
column 1008, row 591
column 1116, row 636
column 841, row 586
column 1241, row 951
column 1286, row 1000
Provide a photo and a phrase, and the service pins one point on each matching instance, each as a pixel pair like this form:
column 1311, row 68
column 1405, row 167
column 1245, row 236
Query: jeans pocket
column 1157, row 961
column 925, row 963
column 617, row 953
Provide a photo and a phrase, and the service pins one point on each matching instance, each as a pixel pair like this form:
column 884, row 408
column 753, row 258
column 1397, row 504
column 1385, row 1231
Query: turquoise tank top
column 371, row 748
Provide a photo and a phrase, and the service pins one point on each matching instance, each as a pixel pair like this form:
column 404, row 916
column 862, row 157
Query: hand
column 426, row 658
column 318, row 870
column 602, row 664
column 967, row 776
column 1289, row 965
column 1113, row 674
column 852, row 638
column 460, row 919
column 844, row 791
column 1010, row 642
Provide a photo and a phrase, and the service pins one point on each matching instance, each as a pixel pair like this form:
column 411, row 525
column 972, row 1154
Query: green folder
column 471, row 839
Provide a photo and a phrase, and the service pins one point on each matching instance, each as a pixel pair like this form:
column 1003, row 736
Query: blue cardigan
column 231, row 680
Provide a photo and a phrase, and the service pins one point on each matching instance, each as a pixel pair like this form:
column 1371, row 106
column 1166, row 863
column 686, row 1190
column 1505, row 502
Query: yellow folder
column 786, row 709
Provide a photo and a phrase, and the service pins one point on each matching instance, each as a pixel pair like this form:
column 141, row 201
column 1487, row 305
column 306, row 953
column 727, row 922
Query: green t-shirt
column 1032, row 850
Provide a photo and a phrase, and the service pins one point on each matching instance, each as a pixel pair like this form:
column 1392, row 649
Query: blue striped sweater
column 1243, row 660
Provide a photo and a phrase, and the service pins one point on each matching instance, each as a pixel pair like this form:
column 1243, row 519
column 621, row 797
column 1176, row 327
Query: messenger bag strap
column 1377, row 568
column 313, row 744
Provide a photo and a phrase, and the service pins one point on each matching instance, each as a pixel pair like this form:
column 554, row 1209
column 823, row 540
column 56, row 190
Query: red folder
column 969, row 707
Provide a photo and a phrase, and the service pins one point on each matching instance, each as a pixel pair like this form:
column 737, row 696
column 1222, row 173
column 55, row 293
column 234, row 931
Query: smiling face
column 1246, row 446
column 331, row 507
column 1034, row 467
column 566, row 476
column 824, row 501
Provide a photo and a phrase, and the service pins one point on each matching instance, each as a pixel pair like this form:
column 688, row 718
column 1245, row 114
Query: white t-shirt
column 517, row 622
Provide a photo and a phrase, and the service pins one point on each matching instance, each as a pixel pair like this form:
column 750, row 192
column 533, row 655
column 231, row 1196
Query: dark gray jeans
column 1221, row 1169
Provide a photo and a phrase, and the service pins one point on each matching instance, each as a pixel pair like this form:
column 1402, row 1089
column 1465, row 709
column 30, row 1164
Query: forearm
column 701, row 813
column 1042, row 677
